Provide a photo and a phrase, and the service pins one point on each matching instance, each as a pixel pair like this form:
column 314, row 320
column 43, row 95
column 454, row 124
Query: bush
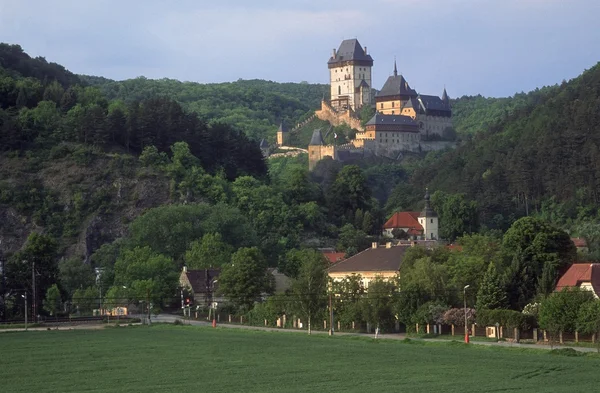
column 507, row 318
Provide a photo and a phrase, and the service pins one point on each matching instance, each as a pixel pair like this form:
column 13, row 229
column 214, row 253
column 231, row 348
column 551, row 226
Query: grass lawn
column 192, row 359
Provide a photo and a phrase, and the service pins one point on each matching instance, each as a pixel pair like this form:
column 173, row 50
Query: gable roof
column 333, row 256
column 396, row 85
column 380, row 259
column 350, row 50
column 404, row 220
column 200, row 279
column 579, row 242
column 317, row 138
column 579, row 273
column 432, row 103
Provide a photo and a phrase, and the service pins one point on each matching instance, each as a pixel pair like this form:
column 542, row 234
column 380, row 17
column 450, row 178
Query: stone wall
column 337, row 118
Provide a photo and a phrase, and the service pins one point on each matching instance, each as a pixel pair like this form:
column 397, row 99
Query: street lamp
column 465, row 304
column 25, row 297
column 212, row 300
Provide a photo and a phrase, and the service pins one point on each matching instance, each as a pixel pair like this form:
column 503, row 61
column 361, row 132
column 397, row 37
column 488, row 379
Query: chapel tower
column 429, row 220
column 350, row 76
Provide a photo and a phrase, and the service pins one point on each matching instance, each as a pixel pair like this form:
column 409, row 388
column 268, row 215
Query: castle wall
column 337, row 118
column 433, row 124
column 392, row 107
column 345, row 81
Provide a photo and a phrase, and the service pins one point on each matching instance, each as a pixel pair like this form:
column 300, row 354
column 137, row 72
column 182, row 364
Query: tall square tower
column 350, row 76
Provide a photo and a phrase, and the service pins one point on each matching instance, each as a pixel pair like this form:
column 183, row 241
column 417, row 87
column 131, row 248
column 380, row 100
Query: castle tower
column 429, row 220
column 350, row 76
column 317, row 150
column 446, row 99
column 282, row 135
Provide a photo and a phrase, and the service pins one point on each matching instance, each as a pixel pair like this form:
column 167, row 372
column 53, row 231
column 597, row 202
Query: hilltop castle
column 405, row 121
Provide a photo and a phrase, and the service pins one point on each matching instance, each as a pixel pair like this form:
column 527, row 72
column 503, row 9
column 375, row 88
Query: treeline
column 38, row 114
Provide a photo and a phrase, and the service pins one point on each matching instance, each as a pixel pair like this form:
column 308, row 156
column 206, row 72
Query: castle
column 405, row 121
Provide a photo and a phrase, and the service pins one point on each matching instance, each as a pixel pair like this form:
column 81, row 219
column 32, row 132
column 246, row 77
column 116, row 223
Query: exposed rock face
column 117, row 195
column 14, row 229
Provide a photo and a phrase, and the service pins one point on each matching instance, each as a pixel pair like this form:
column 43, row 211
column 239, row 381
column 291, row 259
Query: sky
column 489, row 47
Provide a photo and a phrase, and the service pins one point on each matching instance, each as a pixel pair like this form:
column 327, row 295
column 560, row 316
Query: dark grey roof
column 350, row 50
column 201, row 279
column 396, row 85
column 317, row 138
column 372, row 260
column 263, row 144
column 411, row 103
column 380, row 119
column 432, row 103
column 364, row 84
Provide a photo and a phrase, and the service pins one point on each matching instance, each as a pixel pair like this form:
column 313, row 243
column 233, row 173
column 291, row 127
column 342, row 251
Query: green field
column 192, row 359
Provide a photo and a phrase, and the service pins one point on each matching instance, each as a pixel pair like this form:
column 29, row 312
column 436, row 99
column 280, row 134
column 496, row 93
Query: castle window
column 432, row 220
column 392, row 111
column 382, row 105
column 393, row 104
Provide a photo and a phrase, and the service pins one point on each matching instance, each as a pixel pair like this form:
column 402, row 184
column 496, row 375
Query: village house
column 375, row 262
column 581, row 275
column 416, row 225
column 202, row 284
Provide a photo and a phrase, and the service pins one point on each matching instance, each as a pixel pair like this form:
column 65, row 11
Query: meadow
column 166, row 358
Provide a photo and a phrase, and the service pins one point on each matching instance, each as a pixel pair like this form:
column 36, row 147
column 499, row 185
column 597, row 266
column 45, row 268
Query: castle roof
column 396, row 85
column 445, row 97
column 350, row 50
column 432, row 103
column 263, row 144
column 411, row 102
column 380, row 119
column 282, row 128
column 317, row 138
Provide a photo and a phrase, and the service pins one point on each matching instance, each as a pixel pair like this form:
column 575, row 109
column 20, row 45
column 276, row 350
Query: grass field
column 192, row 359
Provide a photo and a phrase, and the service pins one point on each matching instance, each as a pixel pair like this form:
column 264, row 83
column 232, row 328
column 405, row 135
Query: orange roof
column 579, row 242
column 454, row 247
column 333, row 256
column 579, row 273
column 404, row 220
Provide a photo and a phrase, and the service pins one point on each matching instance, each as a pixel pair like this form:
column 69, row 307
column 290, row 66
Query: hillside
column 255, row 107
column 540, row 158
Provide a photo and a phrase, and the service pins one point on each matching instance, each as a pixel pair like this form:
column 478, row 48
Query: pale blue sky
column 489, row 47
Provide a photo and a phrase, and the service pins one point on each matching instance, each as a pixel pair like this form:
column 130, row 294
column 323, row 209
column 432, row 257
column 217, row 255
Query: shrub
column 456, row 316
column 508, row 318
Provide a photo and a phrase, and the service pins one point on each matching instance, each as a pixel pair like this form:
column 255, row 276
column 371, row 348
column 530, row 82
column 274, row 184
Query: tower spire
column 395, row 68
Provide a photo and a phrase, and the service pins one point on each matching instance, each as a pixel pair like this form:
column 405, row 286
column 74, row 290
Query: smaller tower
column 445, row 99
column 429, row 220
column 282, row 135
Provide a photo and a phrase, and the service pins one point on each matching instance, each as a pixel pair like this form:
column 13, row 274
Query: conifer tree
column 491, row 292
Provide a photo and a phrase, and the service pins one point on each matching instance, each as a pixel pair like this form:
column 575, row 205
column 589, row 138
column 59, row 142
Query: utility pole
column 34, row 302
column 330, row 316
column 148, row 303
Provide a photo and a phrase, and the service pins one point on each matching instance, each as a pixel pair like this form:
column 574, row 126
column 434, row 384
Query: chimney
column 334, row 53
column 374, row 245
column 388, row 245
column 365, row 50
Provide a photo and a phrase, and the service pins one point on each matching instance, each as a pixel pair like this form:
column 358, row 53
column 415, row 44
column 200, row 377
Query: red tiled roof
column 333, row 256
column 579, row 273
column 454, row 247
column 404, row 220
column 579, row 242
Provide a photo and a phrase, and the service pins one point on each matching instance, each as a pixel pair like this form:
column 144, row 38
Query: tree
column 457, row 215
column 491, row 292
column 377, row 304
column 309, row 289
column 245, row 278
column 210, row 251
column 348, row 193
column 348, row 293
column 533, row 247
column 588, row 319
column 559, row 311
column 52, row 301
column 75, row 274
column 86, row 300
column 147, row 273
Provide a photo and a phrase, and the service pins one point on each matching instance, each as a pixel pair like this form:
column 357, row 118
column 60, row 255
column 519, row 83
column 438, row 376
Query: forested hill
column 255, row 107
column 542, row 158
